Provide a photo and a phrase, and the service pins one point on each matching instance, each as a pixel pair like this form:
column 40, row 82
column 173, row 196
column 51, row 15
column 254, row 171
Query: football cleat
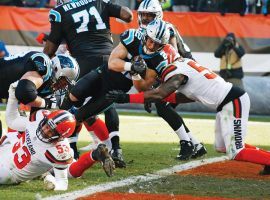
column 265, row 171
column 101, row 154
column 118, row 159
column 199, row 150
column 49, row 181
column 186, row 150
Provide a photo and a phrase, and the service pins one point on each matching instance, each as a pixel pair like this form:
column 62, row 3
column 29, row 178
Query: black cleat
column 186, row 150
column 118, row 159
column 199, row 151
column 101, row 154
column 265, row 171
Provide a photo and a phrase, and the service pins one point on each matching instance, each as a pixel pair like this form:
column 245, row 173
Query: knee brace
column 26, row 91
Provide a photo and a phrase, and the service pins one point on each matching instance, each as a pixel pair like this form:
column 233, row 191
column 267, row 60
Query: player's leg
column 112, row 122
column 176, row 123
column 237, row 112
column 73, row 140
column 100, row 154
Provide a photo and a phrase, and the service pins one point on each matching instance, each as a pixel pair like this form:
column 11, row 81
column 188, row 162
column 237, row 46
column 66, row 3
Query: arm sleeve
column 131, row 40
column 55, row 19
column 13, row 118
column 61, row 179
column 114, row 10
column 220, row 51
column 239, row 50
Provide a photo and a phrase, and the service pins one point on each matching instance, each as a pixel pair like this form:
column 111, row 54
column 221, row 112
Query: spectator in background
column 130, row 3
column 181, row 5
column 233, row 6
column 35, row 3
column 11, row 3
column 230, row 54
column 208, row 5
column 3, row 50
column 262, row 6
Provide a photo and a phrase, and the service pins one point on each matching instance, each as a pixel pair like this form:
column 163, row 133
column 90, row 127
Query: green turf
column 146, row 158
column 193, row 115
column 203, row 186
column 140, row 158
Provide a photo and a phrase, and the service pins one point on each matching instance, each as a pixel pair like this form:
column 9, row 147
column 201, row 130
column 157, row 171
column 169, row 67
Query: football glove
column 148, row 107
column 117, row 96
column 11, row 90
column 138, row 66
column 51, row 102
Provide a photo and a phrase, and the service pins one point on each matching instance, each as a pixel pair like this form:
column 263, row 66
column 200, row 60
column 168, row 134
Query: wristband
column 171, row 98
column 127, row 66
column 136, row 77
column 137, row 98
column 43, row 103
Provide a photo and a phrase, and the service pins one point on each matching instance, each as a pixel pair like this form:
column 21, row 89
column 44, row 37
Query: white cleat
column 49, row 182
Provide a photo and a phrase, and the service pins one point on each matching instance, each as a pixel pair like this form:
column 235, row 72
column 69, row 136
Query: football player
column 186, row 81
column 40, row 77
column 85, row 27
column 43, row 77
column 42, row 147
column 98, row 82
column 189, row 146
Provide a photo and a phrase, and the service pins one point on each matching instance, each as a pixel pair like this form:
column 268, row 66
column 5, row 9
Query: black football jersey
column 132, row 39
column 12, row 68
column 84, row 25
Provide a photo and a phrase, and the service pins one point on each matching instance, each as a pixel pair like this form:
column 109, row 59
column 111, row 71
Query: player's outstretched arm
column 126, row 14
column 13, row 118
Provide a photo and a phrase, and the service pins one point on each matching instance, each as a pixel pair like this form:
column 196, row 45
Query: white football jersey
column 203, row 85
column 27, row 157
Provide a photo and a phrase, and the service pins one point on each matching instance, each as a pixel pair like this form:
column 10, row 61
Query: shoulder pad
column 106, row 1
column 54, row 16
column 42, row 65
column 38, row 115
column 60, row 155
column 172, row 29
column 130, row 35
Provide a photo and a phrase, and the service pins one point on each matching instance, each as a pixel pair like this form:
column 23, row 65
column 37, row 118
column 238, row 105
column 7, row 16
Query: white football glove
column 11, row 90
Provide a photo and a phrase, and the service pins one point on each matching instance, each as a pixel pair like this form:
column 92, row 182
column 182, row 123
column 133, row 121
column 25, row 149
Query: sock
column 94, row 137
column 253, row 147
column 254, row 156
column 99, row 128
column 115, row 142
column 182, row 134
column 193, row 139
column 73, row 145
column 77, row 168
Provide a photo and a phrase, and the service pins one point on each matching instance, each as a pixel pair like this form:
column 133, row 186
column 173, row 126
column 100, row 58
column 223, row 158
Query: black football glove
column 51, row 102
column 117, row 96
column 138, row 66
column 148, row 107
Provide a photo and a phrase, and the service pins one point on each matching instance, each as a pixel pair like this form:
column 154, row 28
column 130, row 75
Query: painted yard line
column 157, row 119
column 135, row 179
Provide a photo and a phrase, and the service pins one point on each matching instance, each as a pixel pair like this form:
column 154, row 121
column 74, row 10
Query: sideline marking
column 135, row 179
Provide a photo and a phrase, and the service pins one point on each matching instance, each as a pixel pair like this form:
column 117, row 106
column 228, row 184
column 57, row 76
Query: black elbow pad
column 26, row 91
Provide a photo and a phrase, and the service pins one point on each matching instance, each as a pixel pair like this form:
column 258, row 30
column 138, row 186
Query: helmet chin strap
column 146, row 51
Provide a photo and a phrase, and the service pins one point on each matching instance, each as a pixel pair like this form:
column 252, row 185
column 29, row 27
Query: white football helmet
column 65, row 71
column 64, row 65
column 151, row 7
column 159, row 33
